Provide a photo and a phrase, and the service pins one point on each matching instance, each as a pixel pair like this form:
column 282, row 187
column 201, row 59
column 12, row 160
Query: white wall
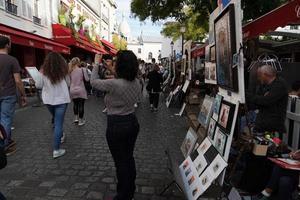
column 166, row 47
column 24, row 18
column 145, row 49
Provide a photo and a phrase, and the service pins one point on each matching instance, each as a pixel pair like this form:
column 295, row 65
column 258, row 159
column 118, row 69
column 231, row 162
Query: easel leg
column 167, row 187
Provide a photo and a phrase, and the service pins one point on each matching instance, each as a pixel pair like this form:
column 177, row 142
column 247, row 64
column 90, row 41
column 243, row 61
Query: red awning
column 113, row 52
column 28, row 39
column 108, row 44
column 288, row 13
column 198, row 52
column 64, row 35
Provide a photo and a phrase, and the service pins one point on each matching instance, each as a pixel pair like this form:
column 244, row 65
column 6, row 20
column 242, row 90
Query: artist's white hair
column 268, row 69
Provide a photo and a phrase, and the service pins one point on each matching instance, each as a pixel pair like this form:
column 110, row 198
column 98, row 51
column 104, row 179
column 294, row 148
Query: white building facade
column 146, row 48
column 33, row 16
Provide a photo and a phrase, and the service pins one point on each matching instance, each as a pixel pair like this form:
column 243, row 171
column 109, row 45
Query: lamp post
column 182, row 31
column 172, row 46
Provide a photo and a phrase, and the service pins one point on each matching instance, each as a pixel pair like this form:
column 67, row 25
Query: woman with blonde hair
column 54, row 81
column 78, row 92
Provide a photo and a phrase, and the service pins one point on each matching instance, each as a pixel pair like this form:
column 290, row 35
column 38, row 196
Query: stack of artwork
column 200, row 169
column 220, row 123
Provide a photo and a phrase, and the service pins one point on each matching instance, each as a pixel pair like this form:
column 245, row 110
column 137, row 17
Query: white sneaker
column 76, row 119
column 58, row 153
column 135, row 105
column 104, row 110
column 63, row 138
column 81, row 122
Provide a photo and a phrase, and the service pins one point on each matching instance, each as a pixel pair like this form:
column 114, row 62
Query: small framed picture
column 211, row 129
column 226, row 115
column 220, row 141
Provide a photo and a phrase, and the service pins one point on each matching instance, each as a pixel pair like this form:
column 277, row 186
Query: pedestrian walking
column 78, row 91
column 154, row 87
column 54, row 82
column 3, row 159
column 122, row 125
column 10, row 79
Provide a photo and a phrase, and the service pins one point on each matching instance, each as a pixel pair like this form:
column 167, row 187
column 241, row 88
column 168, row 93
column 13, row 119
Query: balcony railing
column 36, row 20
column 11, row 8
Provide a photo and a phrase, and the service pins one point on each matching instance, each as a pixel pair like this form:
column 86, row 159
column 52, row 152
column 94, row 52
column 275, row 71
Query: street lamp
column 182, row 31
column 172, row 46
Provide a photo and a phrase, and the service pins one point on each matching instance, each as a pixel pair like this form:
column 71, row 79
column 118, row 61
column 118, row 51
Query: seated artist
column 271, row 103
column 284, row 181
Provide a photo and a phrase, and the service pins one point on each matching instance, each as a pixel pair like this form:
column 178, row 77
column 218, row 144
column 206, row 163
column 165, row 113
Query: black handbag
column 3, row 159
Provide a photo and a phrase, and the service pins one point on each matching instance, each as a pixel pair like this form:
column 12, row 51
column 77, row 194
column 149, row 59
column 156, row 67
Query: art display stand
column 206, row 160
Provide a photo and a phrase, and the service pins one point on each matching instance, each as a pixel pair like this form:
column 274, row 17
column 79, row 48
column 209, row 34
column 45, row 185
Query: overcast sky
column 135, row 25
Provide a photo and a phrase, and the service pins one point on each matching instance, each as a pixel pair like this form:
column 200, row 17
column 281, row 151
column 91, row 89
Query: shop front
column 30, row 49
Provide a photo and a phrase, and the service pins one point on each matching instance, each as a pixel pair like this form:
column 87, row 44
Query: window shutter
column 2, row 4
column 29, row 10
column 24, row 8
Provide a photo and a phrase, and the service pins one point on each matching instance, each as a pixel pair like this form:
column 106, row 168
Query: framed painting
column 212, row 53
column 220, row 141
column 206, row 110
column 226, row 115
column 189, row 142
column 211, row 129
column 225, row 48
column 217, row 106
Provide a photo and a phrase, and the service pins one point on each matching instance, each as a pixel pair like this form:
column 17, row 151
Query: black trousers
column 154, row 99
column 78, row 107
column 284, row 181
column 121, row 136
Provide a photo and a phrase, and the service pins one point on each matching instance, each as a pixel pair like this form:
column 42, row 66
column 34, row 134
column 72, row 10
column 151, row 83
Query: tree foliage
column 119, row 42
column 197, row 18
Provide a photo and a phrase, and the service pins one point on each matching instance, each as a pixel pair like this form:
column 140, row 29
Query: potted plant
column 79, row 24
column 62, row 15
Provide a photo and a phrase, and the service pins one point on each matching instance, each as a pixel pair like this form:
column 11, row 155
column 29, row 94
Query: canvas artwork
column 210, row 73
column 212, row 53
column 195, row 190
column 220, row 141
column 212, row 18
column 211, row 129
column 217, row 166
column 217, row 106
column 34, row 73
column 206, row 179
column 225, row 42
column 199, row 161
column 226, row 115
column 189, row 142
column 204, row 146
column 169, row 99
column 185, row 86
column 206, row 110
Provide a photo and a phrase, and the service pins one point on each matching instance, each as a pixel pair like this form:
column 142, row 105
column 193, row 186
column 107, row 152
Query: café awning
column 286, row 14
column 29, row 39
column 64, row 35
column 110, row 47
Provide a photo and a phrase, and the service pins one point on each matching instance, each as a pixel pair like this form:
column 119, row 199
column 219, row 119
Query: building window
column 139, row 50
column 150, row 56
column 294, row 27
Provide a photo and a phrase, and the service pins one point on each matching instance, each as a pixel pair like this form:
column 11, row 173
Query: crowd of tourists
column 120, row 79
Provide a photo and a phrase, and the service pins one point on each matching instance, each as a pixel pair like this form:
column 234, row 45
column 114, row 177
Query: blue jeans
column 7, row 111
column 58, row 113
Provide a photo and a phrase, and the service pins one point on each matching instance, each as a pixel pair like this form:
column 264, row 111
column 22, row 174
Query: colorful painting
column 225, row 42
column 226, row 115
column 217, row 106
column 189, row 142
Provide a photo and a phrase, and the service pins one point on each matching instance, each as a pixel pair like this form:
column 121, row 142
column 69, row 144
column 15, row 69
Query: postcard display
column 207, row 161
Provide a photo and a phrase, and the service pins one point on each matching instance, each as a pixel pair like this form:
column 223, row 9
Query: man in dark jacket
column 271, row 103
column 154, row 87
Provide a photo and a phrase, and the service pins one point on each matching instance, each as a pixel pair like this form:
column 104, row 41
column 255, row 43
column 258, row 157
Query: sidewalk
column 87, row 170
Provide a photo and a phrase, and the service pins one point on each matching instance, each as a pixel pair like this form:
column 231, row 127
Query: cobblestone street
column 87, row 170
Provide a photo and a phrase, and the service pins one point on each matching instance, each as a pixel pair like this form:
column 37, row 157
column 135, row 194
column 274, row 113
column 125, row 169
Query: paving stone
column 47, row 184
column 88, row 159
column 95, row 195
column 58, row 192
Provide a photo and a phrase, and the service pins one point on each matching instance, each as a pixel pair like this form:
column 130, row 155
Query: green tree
column 119, row 42
column 197, row 18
